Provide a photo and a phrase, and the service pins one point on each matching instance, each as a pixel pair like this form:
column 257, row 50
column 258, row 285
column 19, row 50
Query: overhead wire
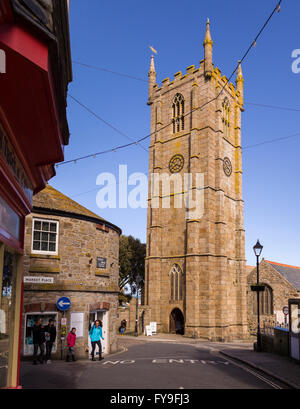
column 114, row 149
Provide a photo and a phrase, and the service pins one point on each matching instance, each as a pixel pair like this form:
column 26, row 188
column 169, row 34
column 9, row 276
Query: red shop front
column 31, row 142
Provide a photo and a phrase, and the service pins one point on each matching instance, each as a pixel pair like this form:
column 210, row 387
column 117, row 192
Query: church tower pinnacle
column 208, row 45
column 152, row 77
column 240, row 84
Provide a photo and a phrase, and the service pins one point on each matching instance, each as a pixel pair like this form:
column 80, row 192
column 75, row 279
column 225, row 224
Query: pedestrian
column 71, row 341
column 38, row 332
column 96, row 336
column 122, row 328
column 50, row 335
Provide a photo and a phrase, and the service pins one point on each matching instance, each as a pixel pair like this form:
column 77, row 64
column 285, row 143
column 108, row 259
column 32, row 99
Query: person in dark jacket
column 50, row 333
column 38, row 332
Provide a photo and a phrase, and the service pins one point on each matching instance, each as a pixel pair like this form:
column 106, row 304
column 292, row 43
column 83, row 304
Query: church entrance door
column 177, row 322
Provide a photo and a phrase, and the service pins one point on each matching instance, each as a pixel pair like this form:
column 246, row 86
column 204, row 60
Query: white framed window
column 44, row 236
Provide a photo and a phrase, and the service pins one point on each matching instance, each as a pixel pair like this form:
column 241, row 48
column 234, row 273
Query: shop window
column 9, row 220
column 29, row 323
column 45, row 236
column 7, row 303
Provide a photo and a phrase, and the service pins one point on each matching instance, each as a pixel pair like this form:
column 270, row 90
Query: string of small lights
column 103, row 120
column 94, row 67
column 244, row 148
column 252, row 45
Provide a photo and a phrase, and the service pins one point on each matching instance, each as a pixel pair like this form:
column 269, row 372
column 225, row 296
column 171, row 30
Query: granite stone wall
column 209, row 248
column 281, row 288
column 75, row 274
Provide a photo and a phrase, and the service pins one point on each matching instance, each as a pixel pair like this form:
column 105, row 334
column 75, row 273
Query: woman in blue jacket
column 96, row 336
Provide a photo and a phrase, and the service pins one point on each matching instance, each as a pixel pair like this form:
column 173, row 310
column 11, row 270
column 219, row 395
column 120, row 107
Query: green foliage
column 132, row 261
column 124, row 298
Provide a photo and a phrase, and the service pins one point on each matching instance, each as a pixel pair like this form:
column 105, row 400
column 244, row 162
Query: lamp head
column 257, row 249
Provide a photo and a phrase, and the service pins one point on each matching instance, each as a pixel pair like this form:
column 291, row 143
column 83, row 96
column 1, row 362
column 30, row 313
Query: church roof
column 249, row 269
column 290, row 273
column 53, row 200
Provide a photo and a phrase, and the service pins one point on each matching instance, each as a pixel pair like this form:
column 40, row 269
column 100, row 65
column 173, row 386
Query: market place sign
column 38, row 280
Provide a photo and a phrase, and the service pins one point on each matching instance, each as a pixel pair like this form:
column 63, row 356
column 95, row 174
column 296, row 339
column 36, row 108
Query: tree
column 132, row 262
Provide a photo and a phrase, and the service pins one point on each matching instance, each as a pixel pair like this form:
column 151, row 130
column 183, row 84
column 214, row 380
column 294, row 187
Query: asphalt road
column 156, row 365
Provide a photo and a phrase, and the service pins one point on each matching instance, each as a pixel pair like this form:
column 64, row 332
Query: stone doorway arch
column 176, row 322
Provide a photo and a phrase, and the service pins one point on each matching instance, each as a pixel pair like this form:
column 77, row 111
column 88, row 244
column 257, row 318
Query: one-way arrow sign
column 63, row 304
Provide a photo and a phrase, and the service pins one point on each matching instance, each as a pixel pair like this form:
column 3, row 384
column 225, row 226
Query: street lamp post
column 138, row 281
column 257, row 251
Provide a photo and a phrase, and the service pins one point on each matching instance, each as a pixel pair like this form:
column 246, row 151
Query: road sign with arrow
column 63, row 304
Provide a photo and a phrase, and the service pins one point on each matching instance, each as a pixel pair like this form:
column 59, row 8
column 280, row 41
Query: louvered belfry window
column 226, row 117
column 178, row 113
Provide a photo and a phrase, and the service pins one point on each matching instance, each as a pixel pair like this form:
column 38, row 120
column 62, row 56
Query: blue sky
column 117, row 37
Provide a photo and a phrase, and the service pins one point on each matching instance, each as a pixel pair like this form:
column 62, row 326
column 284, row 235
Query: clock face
column 176, row 163
column 227, row 166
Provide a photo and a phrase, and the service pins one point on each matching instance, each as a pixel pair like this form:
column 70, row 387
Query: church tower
column 195, row 263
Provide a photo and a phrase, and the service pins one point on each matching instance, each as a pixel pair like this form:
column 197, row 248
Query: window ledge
column 44, row 269
column 45, row 256
column 102, row 273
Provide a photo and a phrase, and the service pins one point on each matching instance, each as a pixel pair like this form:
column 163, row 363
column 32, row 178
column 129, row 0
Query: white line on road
column 254, row 373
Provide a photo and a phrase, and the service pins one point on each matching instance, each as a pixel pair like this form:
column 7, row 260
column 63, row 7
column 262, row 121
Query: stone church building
column 195, row 263
column 281, row 282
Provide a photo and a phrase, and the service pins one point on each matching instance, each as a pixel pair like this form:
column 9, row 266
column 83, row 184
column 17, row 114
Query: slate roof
column 290, row 273
column 52, row 199
column 249, row 269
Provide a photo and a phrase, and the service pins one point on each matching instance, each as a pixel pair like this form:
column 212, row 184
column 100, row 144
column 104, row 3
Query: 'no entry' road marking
column 167, row 361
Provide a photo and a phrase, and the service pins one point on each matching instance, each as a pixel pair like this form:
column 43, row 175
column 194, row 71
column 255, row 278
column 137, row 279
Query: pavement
column 281, row 368
column 184, row 354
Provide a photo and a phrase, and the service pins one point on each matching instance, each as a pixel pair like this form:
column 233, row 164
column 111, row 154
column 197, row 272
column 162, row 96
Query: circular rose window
column 227, row 166
column 176, row 163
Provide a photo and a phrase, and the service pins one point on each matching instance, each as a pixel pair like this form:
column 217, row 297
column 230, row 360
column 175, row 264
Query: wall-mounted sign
column 38, row 280
column 77, row 321
column 101, row 263
column 8, row 153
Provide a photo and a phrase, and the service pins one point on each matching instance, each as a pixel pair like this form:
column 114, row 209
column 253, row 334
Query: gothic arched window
column 265, row 301
column 178, row 113
column 226, row 116
column 176, row 278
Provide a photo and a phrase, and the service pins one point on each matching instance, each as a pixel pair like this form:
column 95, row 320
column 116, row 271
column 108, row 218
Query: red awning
column 27, row 99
